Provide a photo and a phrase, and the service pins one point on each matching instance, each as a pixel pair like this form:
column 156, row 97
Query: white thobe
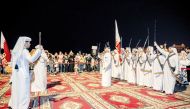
column 134, row 67
column 122, row 69
column 101, row 67
column 140, row 73
column 107, row 70
column 117, row 67
column 40, row 73
column 148, row 78
column 113, row 67
column 129, row 74
column 169, row 79
column 158, row 73
column 20, row 90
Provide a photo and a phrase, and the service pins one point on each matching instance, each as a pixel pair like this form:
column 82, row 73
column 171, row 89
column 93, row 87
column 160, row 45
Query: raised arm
column 34, row 57
column 161, row 50
column 185, row 62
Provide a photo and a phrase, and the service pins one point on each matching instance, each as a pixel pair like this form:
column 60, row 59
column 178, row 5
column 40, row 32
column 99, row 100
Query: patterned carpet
column 84, row 91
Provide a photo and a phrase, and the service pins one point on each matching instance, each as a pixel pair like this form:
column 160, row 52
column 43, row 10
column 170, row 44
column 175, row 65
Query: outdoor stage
column 84, row 91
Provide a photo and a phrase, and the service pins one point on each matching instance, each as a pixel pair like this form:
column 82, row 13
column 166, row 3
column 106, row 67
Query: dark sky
column 83, row 23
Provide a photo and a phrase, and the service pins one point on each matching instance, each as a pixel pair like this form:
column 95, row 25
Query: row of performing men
column 158, row 69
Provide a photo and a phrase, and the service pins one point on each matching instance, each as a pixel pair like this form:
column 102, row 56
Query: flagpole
column 155, row 31
column 40, row 38
column 155, row 34
column 147, row 39
column 137, row 43
column 99, row 47
column 130, row 42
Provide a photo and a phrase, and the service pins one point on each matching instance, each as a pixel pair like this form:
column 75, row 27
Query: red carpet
column 122, row 100
column 84, row 91
column 4, row 91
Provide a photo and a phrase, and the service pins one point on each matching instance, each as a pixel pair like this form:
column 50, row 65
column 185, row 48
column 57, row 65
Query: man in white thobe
column 100, row 56
column 148, row 76
column 140, row 65
column 129, row 75
column 107, row 68
column 134, row 59
column 158, row 71
column 122, row 64
column 171, row 68
column 40, row 73
column 20, row 89
column 117, row 66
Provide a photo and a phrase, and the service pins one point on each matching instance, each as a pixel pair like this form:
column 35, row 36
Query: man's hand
column 39, row 47
column 165, row 44
column 155, row 44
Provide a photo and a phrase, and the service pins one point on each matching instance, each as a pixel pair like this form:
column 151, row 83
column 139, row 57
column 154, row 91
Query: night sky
column 83, row 23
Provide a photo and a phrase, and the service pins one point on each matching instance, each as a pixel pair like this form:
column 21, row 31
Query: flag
column 117, row 40
column 5, row 47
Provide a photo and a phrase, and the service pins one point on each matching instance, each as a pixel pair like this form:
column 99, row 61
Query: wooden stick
column 40, row 38
column 130, row 42
column 137, row 43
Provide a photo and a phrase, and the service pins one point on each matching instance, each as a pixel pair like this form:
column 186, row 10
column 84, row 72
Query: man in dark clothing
column 71, row 63
column 88, row 63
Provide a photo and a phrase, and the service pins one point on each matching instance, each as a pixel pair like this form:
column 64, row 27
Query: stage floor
column 84, row 91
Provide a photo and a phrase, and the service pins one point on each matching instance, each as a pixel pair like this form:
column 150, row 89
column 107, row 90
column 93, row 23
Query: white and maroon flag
column 117, row 40
column 5, row 47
